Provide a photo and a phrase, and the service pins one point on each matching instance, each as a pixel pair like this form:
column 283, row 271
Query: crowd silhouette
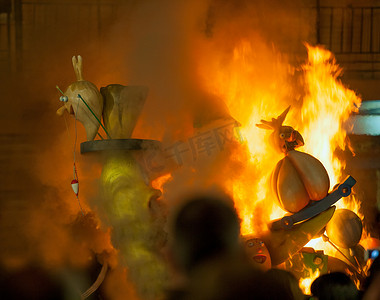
column 207, row 260
column 208, row 252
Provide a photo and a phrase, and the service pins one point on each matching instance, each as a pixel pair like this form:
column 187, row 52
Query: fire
column 259, row 89
column 160, row 181
column 306, row 282
column 256, row 89
column 325, row 108
column 252, row 89
column 324, row 131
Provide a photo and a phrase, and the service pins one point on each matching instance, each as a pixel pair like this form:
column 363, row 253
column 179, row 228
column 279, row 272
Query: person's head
column 204, row 227
column 230, row 280
column 334, row 286
column 288, row 283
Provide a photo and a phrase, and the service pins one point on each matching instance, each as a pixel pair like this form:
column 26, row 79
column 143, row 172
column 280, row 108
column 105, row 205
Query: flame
column 252, row 89
column 323, row 131
column 306, row 282
column 325, row 108
column 159, row 182
column 258, row 89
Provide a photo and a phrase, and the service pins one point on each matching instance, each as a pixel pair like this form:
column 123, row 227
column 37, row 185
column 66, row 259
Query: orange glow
column 326, row 106
column 305, row 283
column 160, row 181
column 253, row 88
column 257, row 89
column 323, row 131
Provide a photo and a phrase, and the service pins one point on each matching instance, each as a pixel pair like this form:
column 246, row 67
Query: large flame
column 252, row 89
column 253, row 93
column 325, row 108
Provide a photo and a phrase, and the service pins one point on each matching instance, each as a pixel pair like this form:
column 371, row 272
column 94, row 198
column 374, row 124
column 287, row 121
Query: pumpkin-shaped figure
column 298, row 177
column 345, row 228
column 74, row 105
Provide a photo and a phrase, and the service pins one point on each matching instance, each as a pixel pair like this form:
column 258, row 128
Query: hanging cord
column 75, row 170
column 75, row 141
column 74, row 157
column 67, row 127
column 75, row 181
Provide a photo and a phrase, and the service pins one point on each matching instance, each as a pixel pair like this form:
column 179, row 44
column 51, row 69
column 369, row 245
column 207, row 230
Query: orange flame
column 306, row 282
column 252, row 89
column 257, row 89
column 325, row 108
column 334, row 103
column 159, row 182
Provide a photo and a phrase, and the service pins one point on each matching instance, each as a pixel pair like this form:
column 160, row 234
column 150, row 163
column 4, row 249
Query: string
column 75, row 175
column 74, row 157
column 67, row 127
column 76, row 134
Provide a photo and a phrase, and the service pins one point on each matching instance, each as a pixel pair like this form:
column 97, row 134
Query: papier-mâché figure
column 298, row 177
column 77, row 107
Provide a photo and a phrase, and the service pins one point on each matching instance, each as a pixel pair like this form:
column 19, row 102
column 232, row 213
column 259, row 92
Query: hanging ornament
column 75, row 186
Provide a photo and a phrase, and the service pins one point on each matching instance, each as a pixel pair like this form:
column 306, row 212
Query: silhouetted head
column 237, row 279
column 204, row 227
column 334, row 286
column 287, row 282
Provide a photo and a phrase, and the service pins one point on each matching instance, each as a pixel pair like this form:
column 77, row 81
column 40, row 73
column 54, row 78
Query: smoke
column 40, row 217
column 242, row 65
column 184, row 52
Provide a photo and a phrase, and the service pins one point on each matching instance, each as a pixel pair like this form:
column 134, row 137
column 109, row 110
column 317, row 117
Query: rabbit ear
column 77, row 65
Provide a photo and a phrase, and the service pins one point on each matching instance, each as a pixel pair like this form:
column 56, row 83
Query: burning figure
column 283, row 138
column 298, row 177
